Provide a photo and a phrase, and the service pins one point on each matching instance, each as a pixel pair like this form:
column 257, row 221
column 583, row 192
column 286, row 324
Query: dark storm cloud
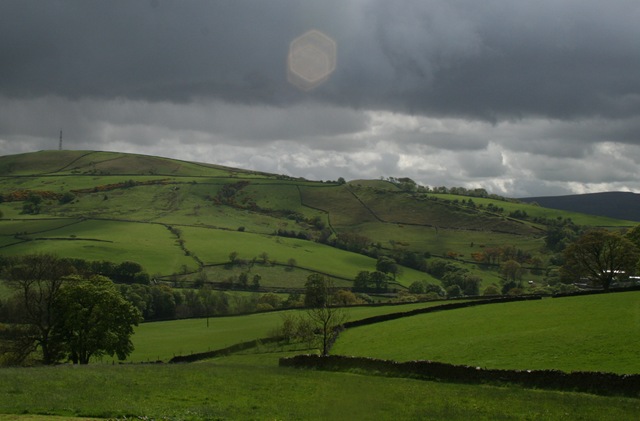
column 521, row 98
column 489, row 60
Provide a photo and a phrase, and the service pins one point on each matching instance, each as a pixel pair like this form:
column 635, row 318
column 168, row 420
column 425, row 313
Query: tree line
column 62, row 315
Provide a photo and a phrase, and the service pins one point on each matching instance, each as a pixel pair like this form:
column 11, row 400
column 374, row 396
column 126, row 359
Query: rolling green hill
column 184, row 218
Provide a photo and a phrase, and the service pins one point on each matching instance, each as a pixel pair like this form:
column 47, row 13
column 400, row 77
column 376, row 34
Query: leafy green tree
column 37, row 280
column 269, row 301
column 380, row 281
column 243, row 280
column 454, row 291
column 95, row 319
column 256, row 282
column 126, row 272
column 416, row 287
column 361, row 282
column 601, row 256
column 387, row 264
column 67, row 197
column 634, row 236
column 317, row 291
column 511, row 270
column 31, row 205
column 491, row 290
column 346, row 298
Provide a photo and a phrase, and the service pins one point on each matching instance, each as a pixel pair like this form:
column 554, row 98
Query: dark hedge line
column 589, row 382
column 224, row 351
column 596, row 291
column 451, row 306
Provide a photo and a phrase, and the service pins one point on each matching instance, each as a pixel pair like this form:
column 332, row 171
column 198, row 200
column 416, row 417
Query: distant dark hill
column 621, row 205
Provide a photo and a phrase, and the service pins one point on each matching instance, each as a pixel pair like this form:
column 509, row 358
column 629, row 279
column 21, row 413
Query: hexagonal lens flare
column 311, row 60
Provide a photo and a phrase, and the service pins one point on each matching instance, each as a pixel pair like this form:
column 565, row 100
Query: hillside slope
column 182, row 220
column 620, row 205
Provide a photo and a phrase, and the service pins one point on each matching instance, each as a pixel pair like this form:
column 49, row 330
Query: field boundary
column 578, row 381
column 451, row 306
column 241, row 346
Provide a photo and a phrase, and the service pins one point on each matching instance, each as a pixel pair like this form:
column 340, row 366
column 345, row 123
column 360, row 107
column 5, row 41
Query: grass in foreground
column 591, row 333
column 253, row 387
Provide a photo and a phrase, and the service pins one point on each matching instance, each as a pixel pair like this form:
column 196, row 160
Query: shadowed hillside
column 620, row 205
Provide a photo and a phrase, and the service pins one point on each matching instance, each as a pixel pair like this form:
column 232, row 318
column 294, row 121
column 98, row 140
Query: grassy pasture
column 26, row 226
column 151, row 245
column 589, row 333
column 442, row 241
column 343, row 207
column 163, row 340
column 64, row 183
column 214, row 247
column 250, row 387
column 38, row 162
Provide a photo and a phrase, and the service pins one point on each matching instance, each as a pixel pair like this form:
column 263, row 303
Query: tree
column 208, row 301
column 95, row 319
column 256, row 282
column 601, row 256
column 511, row 270
column 37, row 280
column 291, row 264
column 361, row 281
column 31, row 205
column 387, row 264
column 325, row 318
column 67, row 197
column 380, row 281
column 316, row 290
column 417, row 287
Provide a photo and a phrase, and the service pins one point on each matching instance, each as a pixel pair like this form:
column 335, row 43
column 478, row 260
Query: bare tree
column 325, row 317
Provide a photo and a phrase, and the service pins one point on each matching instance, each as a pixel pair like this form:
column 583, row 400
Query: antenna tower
column 60, row 144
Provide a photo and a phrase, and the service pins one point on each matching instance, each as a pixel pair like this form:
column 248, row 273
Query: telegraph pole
column 60, row 144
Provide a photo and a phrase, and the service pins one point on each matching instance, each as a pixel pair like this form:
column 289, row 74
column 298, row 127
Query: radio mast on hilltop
column 60, row 144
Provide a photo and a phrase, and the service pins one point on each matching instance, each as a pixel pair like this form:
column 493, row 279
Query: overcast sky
column 523, row 98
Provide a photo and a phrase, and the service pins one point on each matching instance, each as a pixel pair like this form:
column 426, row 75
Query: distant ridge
column 621, row 205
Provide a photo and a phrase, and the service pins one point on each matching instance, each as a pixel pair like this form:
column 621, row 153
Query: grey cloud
column 492, row 61
column 231, row 123
column 482, row 165
column 518, row 96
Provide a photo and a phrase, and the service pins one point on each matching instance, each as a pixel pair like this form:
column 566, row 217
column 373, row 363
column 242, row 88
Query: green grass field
column 590, row 333
column 151, row 245
column 164, row 340
column 253, row 387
